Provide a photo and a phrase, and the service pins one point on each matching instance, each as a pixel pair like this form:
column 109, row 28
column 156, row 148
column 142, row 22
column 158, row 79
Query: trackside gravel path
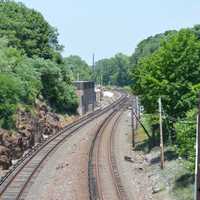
column 134, row 176
column 64, row 174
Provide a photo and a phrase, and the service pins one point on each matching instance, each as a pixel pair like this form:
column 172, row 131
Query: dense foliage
column 79, row 68
column 186, row 136
column 113, row 71
column 57, row 91
column 165, row 65
column 28, row 31
column 172, row 73
column 11, row 92
column 148, row 46
column 30, row 64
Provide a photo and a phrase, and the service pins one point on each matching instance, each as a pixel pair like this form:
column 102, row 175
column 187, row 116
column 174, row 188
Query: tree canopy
column 79, row 68
column 30, row 64
column 148, row 46
column 28, row 31
column 113, row 71
column 172, row 72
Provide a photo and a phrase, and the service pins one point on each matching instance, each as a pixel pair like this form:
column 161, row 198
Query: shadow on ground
column 168, row 154
column 184, row 180
column 184, row 187
column 142, row 146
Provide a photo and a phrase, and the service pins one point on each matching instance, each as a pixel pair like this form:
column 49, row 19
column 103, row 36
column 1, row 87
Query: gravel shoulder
column 64, row 174
column 134, row 176
column 175, row 181
column 142, row 177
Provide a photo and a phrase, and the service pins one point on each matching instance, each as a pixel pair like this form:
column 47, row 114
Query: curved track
column 102, row 154
column 14, row 185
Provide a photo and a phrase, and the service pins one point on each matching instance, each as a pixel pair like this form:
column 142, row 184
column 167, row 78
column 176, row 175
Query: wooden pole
column 161, row 136
column 197, row 169
column 137, row 110
column 133, row 123
column 93, row 62
column 78, row 77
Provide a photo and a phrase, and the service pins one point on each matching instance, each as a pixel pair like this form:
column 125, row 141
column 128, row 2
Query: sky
column 107, row 27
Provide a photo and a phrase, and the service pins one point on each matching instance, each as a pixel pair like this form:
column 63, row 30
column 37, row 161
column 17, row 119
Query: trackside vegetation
column 166, row 65
column 31, row 64
column 171, row 71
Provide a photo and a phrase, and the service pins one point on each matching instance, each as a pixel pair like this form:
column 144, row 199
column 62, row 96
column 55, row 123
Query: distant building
column 87, row 96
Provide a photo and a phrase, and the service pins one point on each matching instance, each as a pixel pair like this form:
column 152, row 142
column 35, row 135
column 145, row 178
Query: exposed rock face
column 30, row 130
column 11, row 147
column 5, row 160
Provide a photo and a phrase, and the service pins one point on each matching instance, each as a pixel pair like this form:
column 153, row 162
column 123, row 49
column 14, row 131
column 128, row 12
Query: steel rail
column 95, row 190
column 27, row 159
column 122, row 195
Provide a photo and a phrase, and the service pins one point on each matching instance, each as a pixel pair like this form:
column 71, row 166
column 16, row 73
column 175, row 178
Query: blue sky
column 107, row 27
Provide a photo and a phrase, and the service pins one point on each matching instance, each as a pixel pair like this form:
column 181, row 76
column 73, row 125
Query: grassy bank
column 176, row 181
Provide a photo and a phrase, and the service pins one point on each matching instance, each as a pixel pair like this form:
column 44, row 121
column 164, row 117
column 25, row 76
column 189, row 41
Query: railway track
column 15, row 184
column 95, row 174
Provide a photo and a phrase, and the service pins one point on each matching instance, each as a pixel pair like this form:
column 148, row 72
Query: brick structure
column 87, row 96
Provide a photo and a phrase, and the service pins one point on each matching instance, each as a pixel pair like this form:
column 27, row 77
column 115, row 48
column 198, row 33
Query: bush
column 11, row 92
column 28, row 31
column 186, row 137
column 58, row 92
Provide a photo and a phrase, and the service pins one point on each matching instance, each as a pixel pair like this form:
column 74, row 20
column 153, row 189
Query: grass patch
column 184, row 187
column 141, row 140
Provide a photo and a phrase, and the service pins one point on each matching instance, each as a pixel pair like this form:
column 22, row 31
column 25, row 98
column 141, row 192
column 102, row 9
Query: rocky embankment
column 30, row 130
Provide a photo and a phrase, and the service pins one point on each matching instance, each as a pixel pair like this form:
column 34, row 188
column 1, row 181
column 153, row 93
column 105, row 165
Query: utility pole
column 78, row 77
column 101, row 79
column 197, row 169
column 137, row 110
column 133, row 123
column 93, row 62
column 161, row 136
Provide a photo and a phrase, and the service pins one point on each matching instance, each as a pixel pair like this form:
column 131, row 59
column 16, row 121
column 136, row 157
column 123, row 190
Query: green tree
column 148, row 46
column 9, row 57
column 31, row 78
column 122, row 64
column 79, row 68
column 172, row 72
column 11, row 92
column 12, row 62
column 60, row 94
column 113, row 71
column 186, row 136
column 31, row 64
column 104, row 70
column 28, row 31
